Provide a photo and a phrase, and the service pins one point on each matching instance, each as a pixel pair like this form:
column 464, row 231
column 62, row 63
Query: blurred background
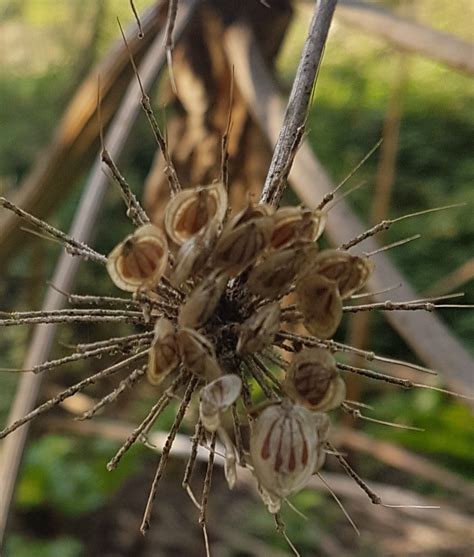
column 67, row 504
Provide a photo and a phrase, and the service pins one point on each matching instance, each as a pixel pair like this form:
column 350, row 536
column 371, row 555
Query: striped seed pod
column 197, row 354
column 259, row 330
column 140, row 260
column 284, row 446
column 349, row 271
column 296, row 224
column 163, row 357
column 319, row 301
column 202, row 301
column 313, row 380
column 192, row 209
column 216, row 398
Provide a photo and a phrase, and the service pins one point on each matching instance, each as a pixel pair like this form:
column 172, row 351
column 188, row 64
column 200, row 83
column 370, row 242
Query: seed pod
column 163, row 357
column 239, row 247
column 273, row 276
column 349, row 271
column 313, row 381
column 216, row 398
column 319, row 301
column 192, row 255
column 284, row 445
column 197, row 354
column 252, row 211
column 259, row 330
column 296, row 224
column 202, row 301
column 140, row 260
column 192, row 209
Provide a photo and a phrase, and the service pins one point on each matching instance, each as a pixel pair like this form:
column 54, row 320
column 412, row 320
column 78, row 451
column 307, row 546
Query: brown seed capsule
column 313, row 380
column 192, row 209
column 202, row 301
column 163, row 357
column 259, row 330
column 239, row 247
column 250, row 212
column 319, row 301
column 197, row 354
column 349, row 271
column 296, row 224
column 140, row 260
column 284, row 445
column 216, row 398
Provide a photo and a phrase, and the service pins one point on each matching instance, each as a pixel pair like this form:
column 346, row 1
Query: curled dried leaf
column 259, row 330
column 313, row 380
column 140, row 260
column 296, row 224
column 163, row 357
column 216, row 398
column 319, row 301
column 192, row 209
column 197, row 354
column 202, row 301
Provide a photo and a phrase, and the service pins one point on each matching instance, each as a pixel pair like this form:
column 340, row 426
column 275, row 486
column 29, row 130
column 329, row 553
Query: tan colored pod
column 351, row 272
column 296, row 224
column 250, row 212
column 202, row 301
column 163, row 357
column 192, row 209
column 284, row 447
column 140, row 260
column 319, row 301
column 259, row 330
column 197, row 354
column 313, row 380
column 216, row 398
column 239, row 247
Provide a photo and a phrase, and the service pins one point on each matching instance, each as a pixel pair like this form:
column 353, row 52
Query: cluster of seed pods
column 231, row 276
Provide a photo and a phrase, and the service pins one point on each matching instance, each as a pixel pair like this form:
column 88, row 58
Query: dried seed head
column 163, row 357
column 250, row 212
column 349, row 271
column 197, row 354
column 202, row 301
column 140, row 260
column 216, row 398
column 296, row 224
column 239, row 247
column 192, row 209
column 319, row 301
column 313, row 380
column 259, row 330
column 284, row 446
column 193, row 254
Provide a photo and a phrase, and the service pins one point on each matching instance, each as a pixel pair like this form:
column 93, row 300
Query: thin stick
column 72, row 319
column 376, row 293
column 393, row 245
column 195, row 442
column 137, row 18
column 341, row 506
column 193, row 381
column 280, row 525
column 224, row 173
column 238, row 436
column 170, row 23
column 207, row 481
column 115, row 340
column 268, row 374
column 299, row 101
column 330, row 196
column 48, row 405
column 80, row 299
column 346, row 194
column 355, row 413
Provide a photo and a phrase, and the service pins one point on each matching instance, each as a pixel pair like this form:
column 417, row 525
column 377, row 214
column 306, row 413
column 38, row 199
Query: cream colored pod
column 192, row 209
column 296, row 224
column 163, row 357
column 140, row 260
column 313, row 380
column 217, row 397
column 197, row 354
column 286, row 450
column 259, row 330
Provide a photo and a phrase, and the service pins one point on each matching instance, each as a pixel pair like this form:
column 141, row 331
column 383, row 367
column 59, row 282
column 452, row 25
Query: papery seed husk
column 250, row 212
column 312, row 380
column 319, row 301
column 197, row 354
column 296, row 224
column 163, row 357
column 216, row 398
column 239, row 247
column 140, row 260
column 259, row 330
column 202, row 301
column 283, row 448
column 192, row 209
